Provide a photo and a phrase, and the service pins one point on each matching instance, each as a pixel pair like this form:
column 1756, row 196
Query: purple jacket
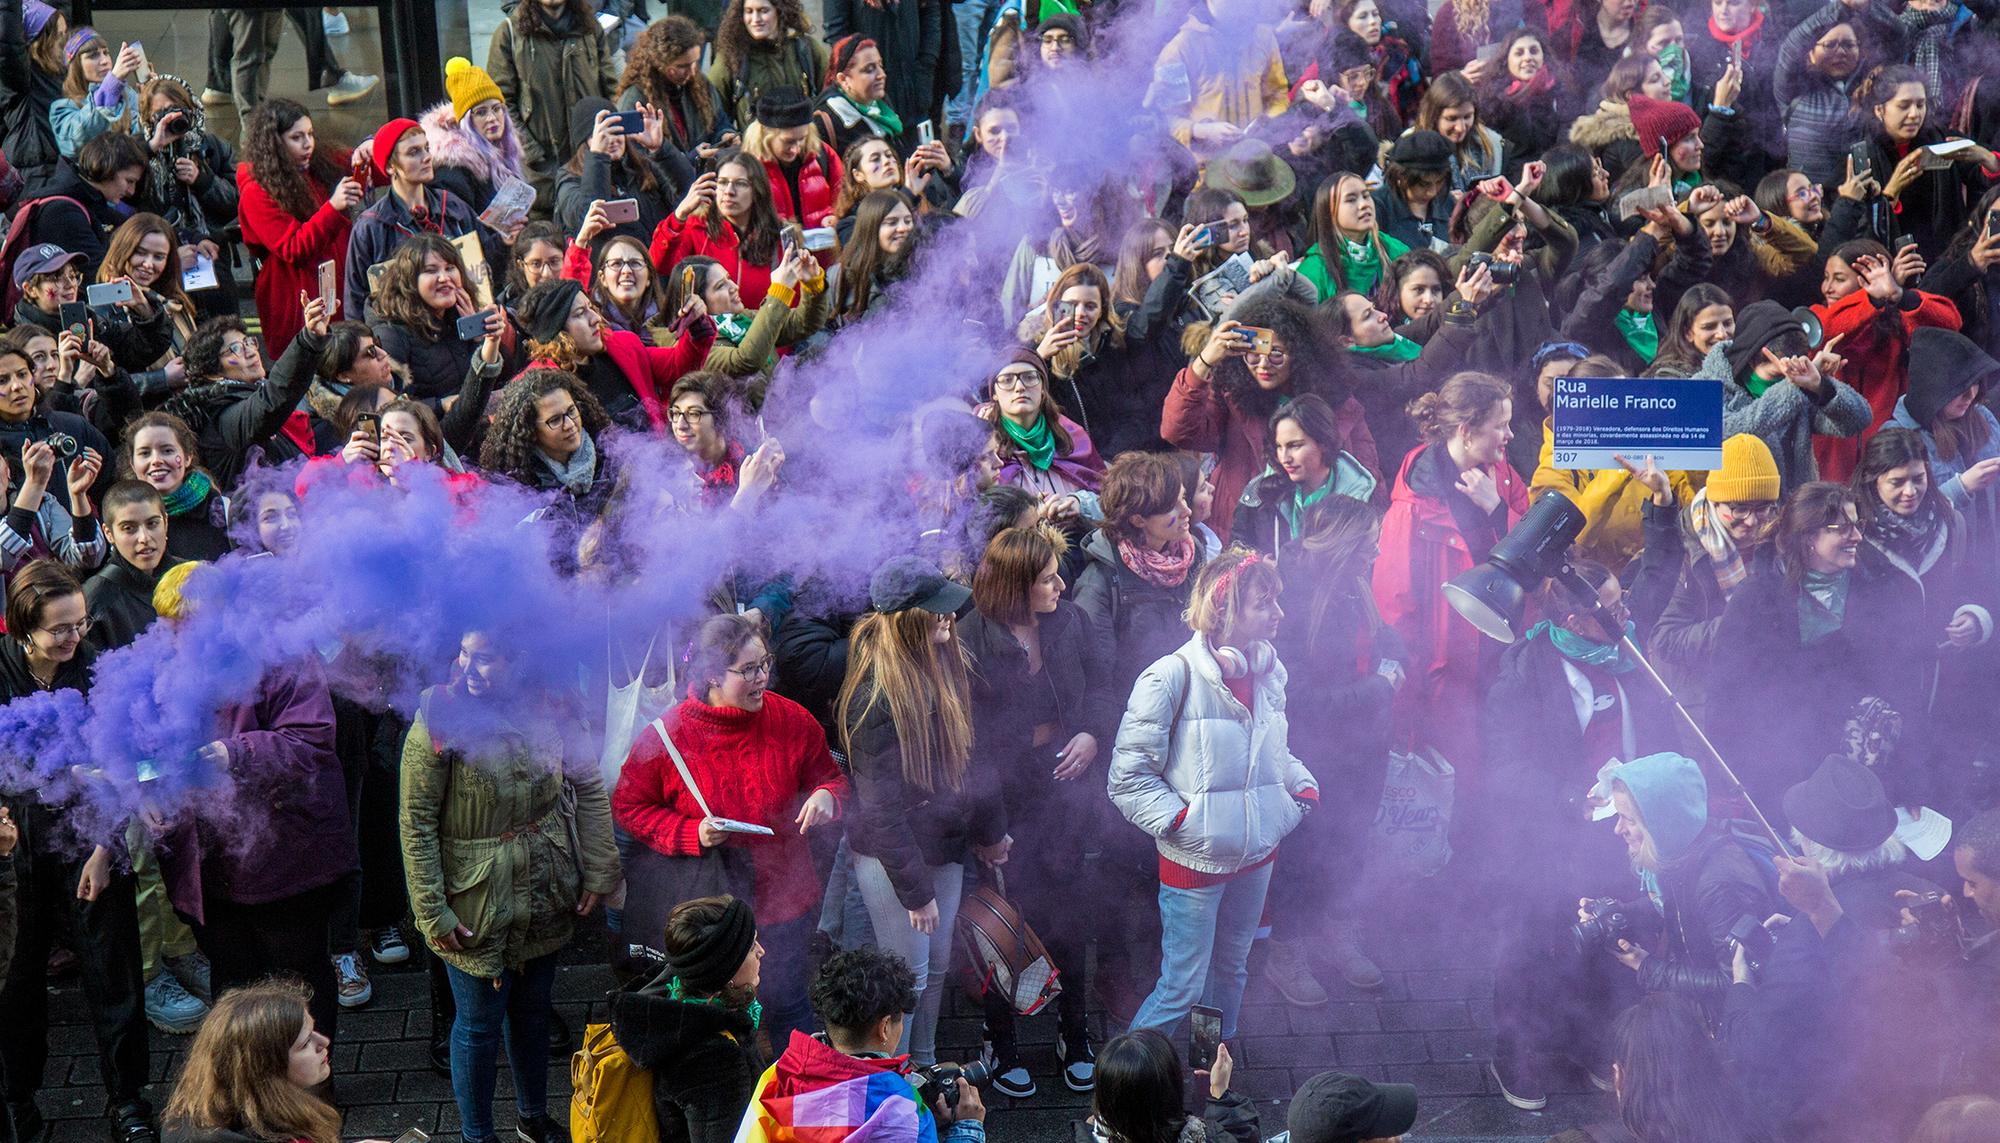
column 284, row 827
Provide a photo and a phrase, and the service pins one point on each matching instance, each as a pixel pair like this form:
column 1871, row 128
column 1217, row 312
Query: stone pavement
column 1430, row 1024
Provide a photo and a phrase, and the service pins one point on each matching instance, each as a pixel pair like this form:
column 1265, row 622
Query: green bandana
column 1822, row 605
column 1401, row 349
column 882, row 115
column 1589, row 652
column 189, row 495
column 675, row 991
column 1755, row 384
column 1674, row 61
column 1640, row 333
column 734, row 327
column 1038, row 442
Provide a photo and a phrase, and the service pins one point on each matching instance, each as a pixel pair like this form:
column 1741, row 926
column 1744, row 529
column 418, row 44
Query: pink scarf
column 1161, row 569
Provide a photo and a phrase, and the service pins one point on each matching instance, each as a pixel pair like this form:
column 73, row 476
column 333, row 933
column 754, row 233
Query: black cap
column 1336, row 1108
column 544, row 310
column 911, row 581
column 711, row 962
column 1842, row 806
column 785, row 107
column 1424, row 151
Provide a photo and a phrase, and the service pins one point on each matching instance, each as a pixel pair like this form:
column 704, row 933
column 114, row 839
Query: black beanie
column 583, row 118
column 785, row 107
column 1758, row 325
column 544, row 310
column 707, row 966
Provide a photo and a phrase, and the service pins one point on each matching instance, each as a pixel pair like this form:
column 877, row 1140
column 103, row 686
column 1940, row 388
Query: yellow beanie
column 468, row 86
column 1747, row 472
column 168, row 602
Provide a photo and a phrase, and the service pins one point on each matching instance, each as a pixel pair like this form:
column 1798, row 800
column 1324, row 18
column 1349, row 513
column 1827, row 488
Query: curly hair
column 1303, row 332
column 855, row 989
column 664, row 41
column 528, row 21
column 732, row 39
column 272, row 169
column 203, row 355
column 510, row 441
column 397, row 298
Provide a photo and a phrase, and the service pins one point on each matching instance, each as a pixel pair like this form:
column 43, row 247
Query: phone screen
column 1204, row 1034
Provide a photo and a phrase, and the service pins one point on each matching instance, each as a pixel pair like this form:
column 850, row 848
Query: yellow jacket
column 1613, row 530
column 1203, row 74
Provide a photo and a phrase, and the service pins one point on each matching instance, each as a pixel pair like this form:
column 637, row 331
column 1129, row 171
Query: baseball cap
column 46, row 258
column 1333, row 1107
column 912, row 581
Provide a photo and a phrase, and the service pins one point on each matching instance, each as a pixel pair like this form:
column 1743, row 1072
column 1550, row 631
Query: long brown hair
column 732, row 39
column 1809, row 508
column 1962, row 437
column 863, row 261
column 1328, row 236
column 45, row 50
column 397, row 298
column 852, row 189
column 125, row 242
column 891, row 658
column 1333, row 556
column 273, row 170
column 1007, row 573
column 1082, row 274
column 1128, row 279
column 664, row 41
column 1451, row 89
column 237, row 1075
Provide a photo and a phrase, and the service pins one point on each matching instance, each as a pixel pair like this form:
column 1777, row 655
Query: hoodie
column 1944, row 364
column 703, row 1058
column 1671, row 797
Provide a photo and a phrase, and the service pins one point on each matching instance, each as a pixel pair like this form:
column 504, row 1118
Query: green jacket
column 1361, row 278
column 800, row 62
column 541, row 79
column 485, row 844
column 776, row 325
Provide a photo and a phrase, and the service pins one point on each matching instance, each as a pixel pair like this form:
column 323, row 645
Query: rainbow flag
column 881, row 1107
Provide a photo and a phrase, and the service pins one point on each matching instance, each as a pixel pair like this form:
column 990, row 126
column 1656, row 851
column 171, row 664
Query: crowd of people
column 1162, row 363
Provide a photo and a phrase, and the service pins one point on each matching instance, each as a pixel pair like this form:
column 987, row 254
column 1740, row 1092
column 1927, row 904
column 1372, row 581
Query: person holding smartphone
column 746, row 343
column 295, row 203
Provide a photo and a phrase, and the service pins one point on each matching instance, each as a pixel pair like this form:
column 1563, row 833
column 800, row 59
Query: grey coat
column 1785, row 417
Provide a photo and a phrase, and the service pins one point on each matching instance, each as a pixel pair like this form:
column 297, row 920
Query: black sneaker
column 441, row 1055
column 540, row 1129
column 1013, row 1081
column 1079, row 1063
column 1519, row 1082
column 135, row 1124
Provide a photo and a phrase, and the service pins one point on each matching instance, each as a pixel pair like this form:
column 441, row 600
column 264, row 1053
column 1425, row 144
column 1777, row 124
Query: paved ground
column 1429, row 1025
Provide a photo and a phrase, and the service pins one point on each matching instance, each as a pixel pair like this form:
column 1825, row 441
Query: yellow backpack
column 611, row 1098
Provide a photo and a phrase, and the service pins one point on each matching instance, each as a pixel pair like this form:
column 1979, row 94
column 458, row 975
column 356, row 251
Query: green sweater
column 1361, row 275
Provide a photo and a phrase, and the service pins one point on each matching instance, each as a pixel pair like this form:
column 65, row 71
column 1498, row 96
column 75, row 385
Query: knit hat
column 468, row 85
column 1670, row 794
column 1943, row 364
column 583, row 118
column 383, row 146
column 1346, row 51
column 783, row 108
column 1425, row 152
column 544, row 310
column 1747, row 472
column 35, row 16
column 77, row 39
column 1657, row 119
column 1758, row 326
column 1335, row 1108
column 1842, row 806
column 169, row 591
column 707, row 965
column 1069, row 22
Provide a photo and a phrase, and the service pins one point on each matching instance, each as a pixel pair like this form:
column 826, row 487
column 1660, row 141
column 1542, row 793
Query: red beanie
column 385, row 141
column 1656, row 119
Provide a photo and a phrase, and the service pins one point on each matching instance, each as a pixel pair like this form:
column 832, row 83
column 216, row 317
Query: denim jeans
column 518, row 1009
column 928, row 955
column 786, row 978
column 1205, row 950
column 975, row 21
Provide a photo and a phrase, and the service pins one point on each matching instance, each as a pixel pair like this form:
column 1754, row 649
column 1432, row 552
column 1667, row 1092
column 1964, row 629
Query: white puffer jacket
column 1187, row 743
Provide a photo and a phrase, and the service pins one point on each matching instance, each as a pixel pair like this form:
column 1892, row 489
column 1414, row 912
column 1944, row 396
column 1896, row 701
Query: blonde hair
column 926, row 685
column 757, row 141
column 1228, row 584
column 238, row 1071
column 1648, row 856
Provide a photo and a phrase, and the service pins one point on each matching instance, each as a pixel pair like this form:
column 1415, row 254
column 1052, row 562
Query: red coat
column 1421, row 549
column 675, row 240
column 1198, row 418
column 291, row 252
column 755, row 766
column 1878, row 360
column 819, row 181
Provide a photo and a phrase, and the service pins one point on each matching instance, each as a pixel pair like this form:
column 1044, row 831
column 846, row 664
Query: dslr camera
column 1934, row 929
column 64, row 445
column 944, row 1079
column 1504, row 273
column 1611, row 921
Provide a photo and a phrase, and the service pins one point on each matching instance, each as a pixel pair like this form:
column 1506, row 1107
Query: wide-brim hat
column 1253, row 172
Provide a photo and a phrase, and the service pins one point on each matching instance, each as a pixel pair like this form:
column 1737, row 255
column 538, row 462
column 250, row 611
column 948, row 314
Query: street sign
column 1677, row 421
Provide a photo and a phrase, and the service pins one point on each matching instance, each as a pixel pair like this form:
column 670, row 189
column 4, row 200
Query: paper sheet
column 1927, row 835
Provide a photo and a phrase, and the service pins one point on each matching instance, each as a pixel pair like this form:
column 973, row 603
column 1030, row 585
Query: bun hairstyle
column 1464, row 401
column 1227, row 584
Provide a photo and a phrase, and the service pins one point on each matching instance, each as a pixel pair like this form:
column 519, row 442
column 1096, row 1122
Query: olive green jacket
column 541, row 79
column 485, row 844
column 799, row 63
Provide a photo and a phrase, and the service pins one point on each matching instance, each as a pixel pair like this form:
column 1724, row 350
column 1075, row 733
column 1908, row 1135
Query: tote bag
column 655, row 882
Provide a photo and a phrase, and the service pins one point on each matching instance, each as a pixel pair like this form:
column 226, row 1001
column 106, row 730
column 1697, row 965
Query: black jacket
column 1338, row 705
column 121, row 600
column 134, row 345
column 26, row 92
column 87, row 234
column 908, row 829
column 230, row 419
column 703, row 1058
column 386, row 224
column 1117, row 392
column 601, row 178
column 1141, row 621
column 1723, row 876
column 1683, row 640
column 201, row 532
column 40, row 425
column 811, row 654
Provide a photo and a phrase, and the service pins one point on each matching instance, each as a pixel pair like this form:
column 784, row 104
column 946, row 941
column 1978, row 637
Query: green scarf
column 189, row 495
column 677, row 991
column 734, row 327
column 882, row 115
column 1038, row 442
column 1755, row 384
column 1674, row 61
column 1640, row 333
column 1589, row 652
column 1401, row 349
column 1822, row 605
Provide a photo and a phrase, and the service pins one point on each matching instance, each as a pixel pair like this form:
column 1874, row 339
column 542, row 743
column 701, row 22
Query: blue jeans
column 785, row 978
column 975, row 19
column 518, row 1008
column 928, row 955
column 1205, row 950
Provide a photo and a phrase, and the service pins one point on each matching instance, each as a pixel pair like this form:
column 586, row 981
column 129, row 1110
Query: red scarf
column 718, row 484
column 1744, row 37
column 1161, row 569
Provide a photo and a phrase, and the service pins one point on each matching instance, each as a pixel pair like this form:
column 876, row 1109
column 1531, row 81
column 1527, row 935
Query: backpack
column 611, row 1098
column 21, row 234
column 998, row 951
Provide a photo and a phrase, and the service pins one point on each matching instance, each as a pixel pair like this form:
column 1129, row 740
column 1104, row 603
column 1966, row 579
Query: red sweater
column 754, row 766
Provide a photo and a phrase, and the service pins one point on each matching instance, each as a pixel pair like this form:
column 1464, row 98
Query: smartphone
column 1261, row 340
column 1204, row 1035
column 1904, row 241
column 634, row 122
column 1204, row 238
column 75, row 317
column 414, row 1135
column 361, row 170
column 329, row 288
column 790, row 240
column 370, row 423
column 107, row 293
column 472, row 327
column 1065, row 312
column 1992, row 223
column 622, row 210
column 926, row 133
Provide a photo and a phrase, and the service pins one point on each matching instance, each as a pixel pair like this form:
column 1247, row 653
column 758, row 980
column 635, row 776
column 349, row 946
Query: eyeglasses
column 571, row 414
column 1017, row 381
column 761, row 669
column 542, row 265
column 624, row 266
column 689, row 416
column 732, row 184
column 63, row 631
column 1843, row 528
column 1275, row 357
column 242, row 348
column 1059, row 39
column 1754, row 510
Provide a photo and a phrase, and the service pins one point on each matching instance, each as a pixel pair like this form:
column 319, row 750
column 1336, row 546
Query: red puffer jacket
column 819, row 180
column 1877, row 349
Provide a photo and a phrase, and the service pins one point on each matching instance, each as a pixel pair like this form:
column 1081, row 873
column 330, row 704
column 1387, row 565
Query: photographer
column 1976, row 856
column 862, row 996
column 190, row 181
